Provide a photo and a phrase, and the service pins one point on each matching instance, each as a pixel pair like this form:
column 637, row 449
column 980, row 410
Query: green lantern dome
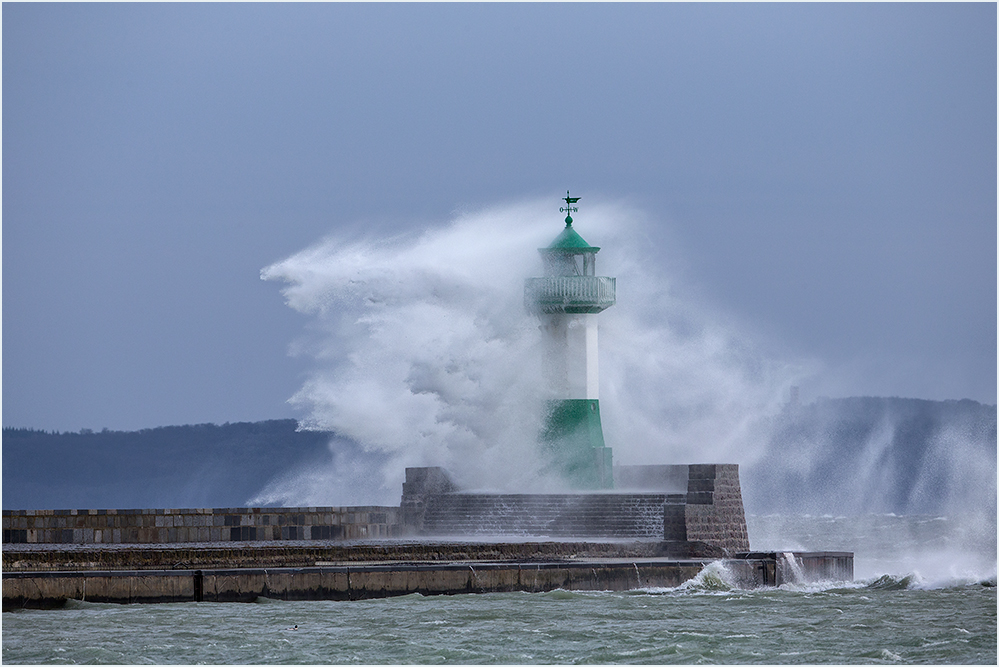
column 569, row 241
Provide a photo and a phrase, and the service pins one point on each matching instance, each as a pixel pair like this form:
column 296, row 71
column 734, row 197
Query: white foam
column 424, row 352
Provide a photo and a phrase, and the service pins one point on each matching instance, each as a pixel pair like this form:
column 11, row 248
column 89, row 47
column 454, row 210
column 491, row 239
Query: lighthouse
column 567, row 300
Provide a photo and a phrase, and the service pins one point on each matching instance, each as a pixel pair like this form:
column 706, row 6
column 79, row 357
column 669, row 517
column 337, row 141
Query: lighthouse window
column 563, row 265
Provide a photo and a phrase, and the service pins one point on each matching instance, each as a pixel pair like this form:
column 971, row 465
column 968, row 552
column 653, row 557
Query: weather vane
column 569, row 208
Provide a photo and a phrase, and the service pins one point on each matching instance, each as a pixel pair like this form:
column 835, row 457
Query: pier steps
column 627, row 516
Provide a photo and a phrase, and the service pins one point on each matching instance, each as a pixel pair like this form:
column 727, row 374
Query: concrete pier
column 661, row 528
column 336, row 582
column 48, row 577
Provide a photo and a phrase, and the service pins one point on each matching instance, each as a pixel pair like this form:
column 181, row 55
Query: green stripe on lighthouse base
column 573, row 441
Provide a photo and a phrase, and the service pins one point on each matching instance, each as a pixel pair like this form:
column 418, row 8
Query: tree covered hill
column 833, row 456
column 201, row 465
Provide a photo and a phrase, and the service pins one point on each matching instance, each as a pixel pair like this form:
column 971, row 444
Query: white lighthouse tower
column 567, row 300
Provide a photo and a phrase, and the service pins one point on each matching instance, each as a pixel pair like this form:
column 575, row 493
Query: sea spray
column 424, row 355
column 939, row 550
column 789, row 569
column 349, row 473
column 881, row 455
column 715, row 577
column 424, row 352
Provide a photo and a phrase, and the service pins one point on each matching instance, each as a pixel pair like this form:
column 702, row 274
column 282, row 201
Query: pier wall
column 681, row 504
column 362, row 580
column 345, row 582
column 711, row 511
column 170, row 526
column 597, row 515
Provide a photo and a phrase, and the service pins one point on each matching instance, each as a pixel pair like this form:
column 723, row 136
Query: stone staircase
column 605, row 515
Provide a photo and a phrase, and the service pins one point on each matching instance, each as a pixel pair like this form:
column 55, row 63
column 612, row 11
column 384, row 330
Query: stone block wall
column 168, row 526
column 708, row 515
column 675, row 518
column 421, row 485
column 712, row 510
column 580, row 515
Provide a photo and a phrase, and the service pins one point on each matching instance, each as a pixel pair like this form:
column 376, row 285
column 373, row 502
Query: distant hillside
column 834, row 456
column 859, row 455
column 174, row 466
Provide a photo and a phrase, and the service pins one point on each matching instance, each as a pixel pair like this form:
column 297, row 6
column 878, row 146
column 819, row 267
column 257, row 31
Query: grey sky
column 824, row 173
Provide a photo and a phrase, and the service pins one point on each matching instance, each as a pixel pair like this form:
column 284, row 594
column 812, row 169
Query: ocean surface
column 925, row 592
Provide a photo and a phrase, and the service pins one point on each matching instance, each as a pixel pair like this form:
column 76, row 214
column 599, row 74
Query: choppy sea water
column 932, row 613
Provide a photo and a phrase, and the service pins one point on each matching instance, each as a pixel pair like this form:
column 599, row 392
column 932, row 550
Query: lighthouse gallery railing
column 570, row 294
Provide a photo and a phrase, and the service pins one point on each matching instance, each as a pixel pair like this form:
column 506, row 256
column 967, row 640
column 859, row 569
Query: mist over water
column 425, row 355
column 918, row 476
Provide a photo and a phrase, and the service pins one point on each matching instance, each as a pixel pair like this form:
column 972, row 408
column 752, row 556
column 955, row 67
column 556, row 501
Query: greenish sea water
column 884, row 621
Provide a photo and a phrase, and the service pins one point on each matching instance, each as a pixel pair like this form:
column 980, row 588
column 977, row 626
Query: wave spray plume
column 425, row 355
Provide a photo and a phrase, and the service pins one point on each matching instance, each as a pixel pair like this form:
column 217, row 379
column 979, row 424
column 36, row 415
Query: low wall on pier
column 170, row 526
column 683, row 505
column 680, row 504
column 591, row 515
column 51, row 558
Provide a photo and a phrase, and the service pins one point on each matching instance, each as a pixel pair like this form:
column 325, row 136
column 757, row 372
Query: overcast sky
column 824, row 174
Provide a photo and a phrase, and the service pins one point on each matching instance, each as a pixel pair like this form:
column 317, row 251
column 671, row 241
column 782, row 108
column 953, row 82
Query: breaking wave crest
column 715, row 577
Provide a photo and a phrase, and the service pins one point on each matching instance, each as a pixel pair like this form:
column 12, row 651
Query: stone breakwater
column 685, row 505
column 52, row 558
column 172, row 526
column 680, row 518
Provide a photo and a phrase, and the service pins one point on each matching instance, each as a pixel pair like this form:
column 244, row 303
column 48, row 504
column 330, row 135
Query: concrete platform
column 49, row 577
